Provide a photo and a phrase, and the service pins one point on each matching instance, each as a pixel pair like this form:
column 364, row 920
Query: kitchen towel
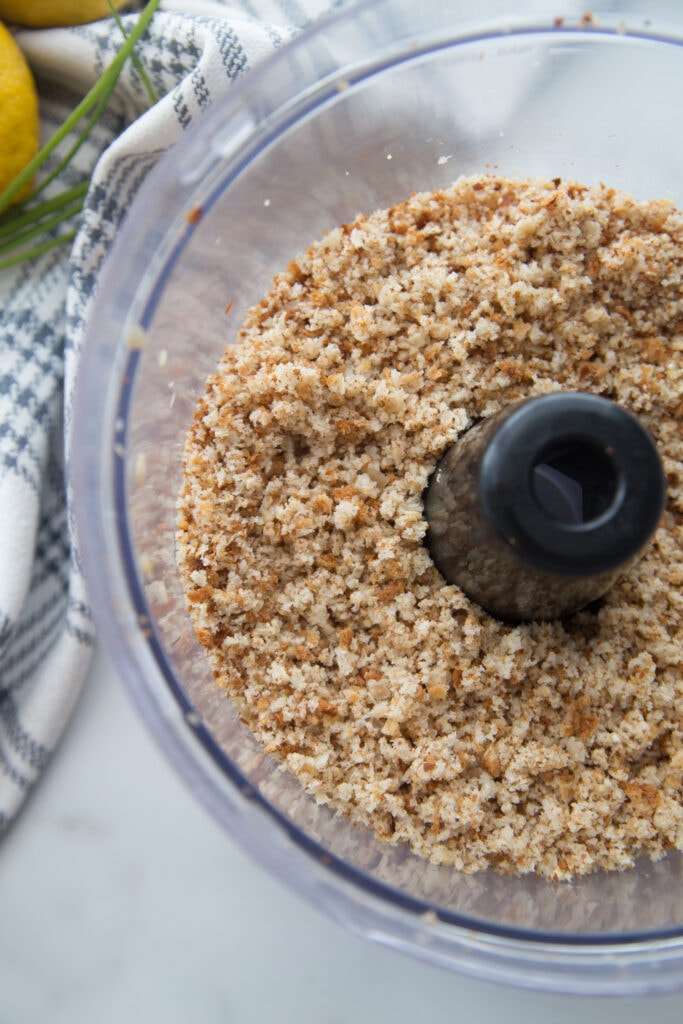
column 192, row 52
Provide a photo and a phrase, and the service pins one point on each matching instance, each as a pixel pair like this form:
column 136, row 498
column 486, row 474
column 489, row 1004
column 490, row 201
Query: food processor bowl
column 381, row 99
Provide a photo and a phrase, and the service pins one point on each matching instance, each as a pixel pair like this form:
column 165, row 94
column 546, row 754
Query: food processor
column 379, row 100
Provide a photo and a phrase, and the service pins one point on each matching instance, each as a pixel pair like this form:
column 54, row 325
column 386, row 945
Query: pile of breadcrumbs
column 554, row 747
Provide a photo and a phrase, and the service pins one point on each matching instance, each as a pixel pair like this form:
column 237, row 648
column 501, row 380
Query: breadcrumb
column 549, row 747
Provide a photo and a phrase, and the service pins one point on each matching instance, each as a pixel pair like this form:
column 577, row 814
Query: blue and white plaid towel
column 192, row 52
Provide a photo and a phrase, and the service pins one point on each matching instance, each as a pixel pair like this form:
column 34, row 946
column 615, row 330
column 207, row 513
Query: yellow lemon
column 48, row 13
column 18, row 111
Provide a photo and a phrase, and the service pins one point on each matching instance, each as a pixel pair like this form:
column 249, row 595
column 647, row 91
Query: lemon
column 48, row 13
column 18, row 111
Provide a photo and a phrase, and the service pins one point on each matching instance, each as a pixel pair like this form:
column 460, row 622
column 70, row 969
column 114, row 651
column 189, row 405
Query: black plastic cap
column 572, row 483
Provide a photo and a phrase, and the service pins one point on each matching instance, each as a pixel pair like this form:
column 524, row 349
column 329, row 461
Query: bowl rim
column 560, row 959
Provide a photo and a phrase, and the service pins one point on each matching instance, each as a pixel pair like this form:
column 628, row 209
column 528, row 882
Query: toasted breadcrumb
column 552, row 747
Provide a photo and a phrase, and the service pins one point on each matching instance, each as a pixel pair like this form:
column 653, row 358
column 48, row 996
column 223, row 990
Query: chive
column 36, row 229
column 37, row 251
column 106, row 82
column 18, row 218
column 66, row 160
column 149, row 88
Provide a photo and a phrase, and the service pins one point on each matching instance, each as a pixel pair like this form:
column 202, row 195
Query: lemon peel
column 19, row 125
column 51, row 13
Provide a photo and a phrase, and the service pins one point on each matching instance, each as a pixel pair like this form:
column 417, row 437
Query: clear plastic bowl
column 382, row 99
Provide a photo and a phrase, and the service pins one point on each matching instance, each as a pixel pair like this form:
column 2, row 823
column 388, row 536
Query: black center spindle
column 537, row 510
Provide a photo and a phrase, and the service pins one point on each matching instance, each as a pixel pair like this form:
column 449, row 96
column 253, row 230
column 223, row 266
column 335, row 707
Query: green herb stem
column 30, row 254
column 68, row 157
column 149, row 88
column 13, row 221
column 107, row 80
column 34, row 230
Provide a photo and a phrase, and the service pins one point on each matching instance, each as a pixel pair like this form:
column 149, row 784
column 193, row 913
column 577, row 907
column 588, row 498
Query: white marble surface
column 121, row 900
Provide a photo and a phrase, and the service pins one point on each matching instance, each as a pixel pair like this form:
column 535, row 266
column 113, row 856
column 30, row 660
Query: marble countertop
column 121, row 900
